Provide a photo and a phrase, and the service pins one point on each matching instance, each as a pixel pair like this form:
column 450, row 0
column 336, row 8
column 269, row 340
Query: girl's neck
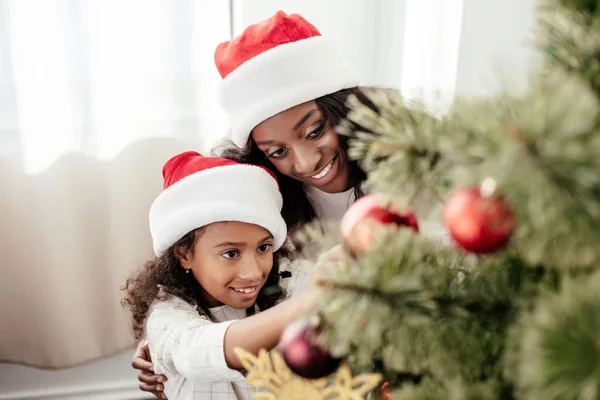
column 209, row 300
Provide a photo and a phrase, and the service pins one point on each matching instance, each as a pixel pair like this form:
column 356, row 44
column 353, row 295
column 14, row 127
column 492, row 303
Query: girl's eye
column 264, row 248
column 316, row 132
column 230, row 254
column 279, row 153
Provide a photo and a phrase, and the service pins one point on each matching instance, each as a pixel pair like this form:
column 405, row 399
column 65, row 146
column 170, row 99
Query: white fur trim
column 281, row 78
column 243, row 193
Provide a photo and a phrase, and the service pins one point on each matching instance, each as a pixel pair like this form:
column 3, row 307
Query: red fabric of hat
column 258, row 38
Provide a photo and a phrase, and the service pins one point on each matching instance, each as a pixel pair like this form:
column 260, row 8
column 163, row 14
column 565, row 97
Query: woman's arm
column 262, row 331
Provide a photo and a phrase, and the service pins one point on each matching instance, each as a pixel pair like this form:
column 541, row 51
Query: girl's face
column 231, row 261
column 303, row 145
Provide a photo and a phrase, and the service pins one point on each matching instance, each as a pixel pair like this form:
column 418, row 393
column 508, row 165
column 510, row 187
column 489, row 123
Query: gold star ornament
column 269, row 372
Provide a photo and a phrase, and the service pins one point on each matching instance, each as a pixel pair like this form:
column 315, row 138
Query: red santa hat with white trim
column 274, row 65
column 200, row 190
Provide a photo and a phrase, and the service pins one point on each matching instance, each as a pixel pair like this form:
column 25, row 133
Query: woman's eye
column 278, row 153
column 316, row 132
column 264, row 248
column 231, row 254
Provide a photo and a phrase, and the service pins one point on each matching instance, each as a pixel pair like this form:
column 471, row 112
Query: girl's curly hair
column 162, row 277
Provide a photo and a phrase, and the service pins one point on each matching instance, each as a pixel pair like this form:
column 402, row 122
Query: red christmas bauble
column 479, row 224
column 365, row 216
column 384, row 392
column 303, row 355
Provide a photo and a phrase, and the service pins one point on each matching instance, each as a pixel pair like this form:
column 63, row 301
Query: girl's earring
column 187, row 271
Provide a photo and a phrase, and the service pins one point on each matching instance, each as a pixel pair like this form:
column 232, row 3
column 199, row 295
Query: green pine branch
column 569, row 36
column 554, row 353
column 387, row 156
column 456, row 389
column 541, row 148
column 410, row 304
column 522, row 323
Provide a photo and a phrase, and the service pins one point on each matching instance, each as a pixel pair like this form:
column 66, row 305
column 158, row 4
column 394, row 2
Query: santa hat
column 200, row 190
column 275, row 65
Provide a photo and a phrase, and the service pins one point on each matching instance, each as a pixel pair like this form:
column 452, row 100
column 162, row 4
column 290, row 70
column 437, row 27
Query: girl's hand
column 327, row 263
column 149, row 382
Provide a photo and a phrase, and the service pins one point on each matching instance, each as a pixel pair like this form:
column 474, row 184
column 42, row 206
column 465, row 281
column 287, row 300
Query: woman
column 285, row 89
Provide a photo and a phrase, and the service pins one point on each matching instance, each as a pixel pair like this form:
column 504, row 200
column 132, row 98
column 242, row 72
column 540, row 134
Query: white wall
column 370, row 31
column 489, row 48
column 495, row 45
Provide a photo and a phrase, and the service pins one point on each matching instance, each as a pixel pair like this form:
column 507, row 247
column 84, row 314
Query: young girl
column 215, row 228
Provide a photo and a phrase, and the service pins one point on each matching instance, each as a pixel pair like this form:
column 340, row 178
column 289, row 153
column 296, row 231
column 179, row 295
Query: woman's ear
column 183, row 255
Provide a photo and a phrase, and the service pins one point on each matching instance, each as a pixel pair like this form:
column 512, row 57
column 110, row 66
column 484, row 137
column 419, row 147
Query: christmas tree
column 510, row 309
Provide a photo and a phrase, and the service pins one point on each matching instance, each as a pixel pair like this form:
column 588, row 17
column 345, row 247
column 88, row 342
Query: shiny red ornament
column 365, row 216
column 302, row 353
column 479, row 224
column 384, row 392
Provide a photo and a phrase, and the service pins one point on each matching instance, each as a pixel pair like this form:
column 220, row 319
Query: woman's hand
column 327, row 263
column 149, row 382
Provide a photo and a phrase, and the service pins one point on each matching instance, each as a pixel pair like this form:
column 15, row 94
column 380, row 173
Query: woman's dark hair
column 297, row 209
column 163, row 277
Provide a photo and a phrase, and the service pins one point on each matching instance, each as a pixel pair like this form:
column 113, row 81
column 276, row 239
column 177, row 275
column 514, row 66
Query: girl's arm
column 262, row 330
column 183, row 342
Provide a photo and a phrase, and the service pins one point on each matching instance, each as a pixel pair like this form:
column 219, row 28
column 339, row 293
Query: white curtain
column 94, row 96
column 431, row 51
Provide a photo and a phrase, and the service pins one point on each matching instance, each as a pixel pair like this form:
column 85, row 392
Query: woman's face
column 303, row 145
